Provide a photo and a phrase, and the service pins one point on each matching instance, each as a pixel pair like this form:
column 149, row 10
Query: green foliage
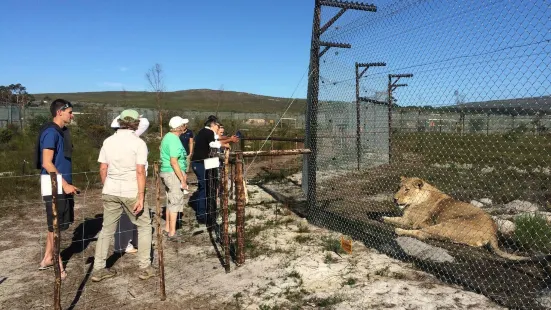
column 533, row 233
column 36, row 122
column 510, row 157
column 477, row 124
column 332, row 245
column 5, row 135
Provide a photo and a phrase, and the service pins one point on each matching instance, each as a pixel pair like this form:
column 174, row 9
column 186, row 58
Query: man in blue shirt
column 54, row 152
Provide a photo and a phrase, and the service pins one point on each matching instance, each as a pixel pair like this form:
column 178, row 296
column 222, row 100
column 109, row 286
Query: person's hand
column 138, row 207
column 183, row 185
column 234, row 139
column 70, row 189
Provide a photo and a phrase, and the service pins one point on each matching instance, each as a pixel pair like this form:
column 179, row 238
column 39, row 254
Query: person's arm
column 103, row 165
column 141, row 161
column 140, row 176
column 103, row 172
column 175, row 150
column 181, row 176
column 191, row 146
column 48, row 165
column 226, row 139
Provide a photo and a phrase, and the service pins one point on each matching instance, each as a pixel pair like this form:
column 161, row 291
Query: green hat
column 133, row 114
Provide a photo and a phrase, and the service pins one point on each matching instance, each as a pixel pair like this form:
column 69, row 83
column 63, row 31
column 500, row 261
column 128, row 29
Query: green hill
column 193, row 99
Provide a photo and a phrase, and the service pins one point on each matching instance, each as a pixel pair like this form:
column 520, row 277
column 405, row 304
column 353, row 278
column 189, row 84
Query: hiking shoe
column 103, row 274
column 130, row 249
column 147, row 272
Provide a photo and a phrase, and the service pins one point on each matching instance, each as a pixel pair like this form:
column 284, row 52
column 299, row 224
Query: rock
column 487, row 169
column 521, row 206
column 504, row 226
column 545, row 298
column 546, row 215
column 477, row 203
column 486, row 201
column 421, row 250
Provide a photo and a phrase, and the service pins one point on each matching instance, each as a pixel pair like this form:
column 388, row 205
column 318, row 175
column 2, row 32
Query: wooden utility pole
column 160, row 253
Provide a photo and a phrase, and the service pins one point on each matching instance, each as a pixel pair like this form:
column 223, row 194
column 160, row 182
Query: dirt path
column 290, row 265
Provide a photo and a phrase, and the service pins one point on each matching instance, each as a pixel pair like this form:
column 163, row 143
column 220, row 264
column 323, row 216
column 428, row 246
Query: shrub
column 533, row 233
column 98, row 133
column 36, row 122
column 5, row 135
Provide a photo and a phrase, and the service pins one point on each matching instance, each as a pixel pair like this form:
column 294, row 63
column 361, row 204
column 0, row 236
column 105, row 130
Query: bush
column 533, row 233
column 36, row 122
column 6, row 135
column 97, row 133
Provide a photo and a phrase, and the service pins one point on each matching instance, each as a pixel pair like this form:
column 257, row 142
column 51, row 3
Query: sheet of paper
column 211, row 163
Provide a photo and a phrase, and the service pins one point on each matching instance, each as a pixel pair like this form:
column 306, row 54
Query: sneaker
column 147, row 272
column 130, row 249
column 103, row 274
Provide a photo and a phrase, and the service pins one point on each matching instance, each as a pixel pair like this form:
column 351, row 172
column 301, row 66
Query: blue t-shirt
column 185, row 139
column 52, row 139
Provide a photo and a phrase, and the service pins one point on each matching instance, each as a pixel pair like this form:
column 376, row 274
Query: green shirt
column 171, row 146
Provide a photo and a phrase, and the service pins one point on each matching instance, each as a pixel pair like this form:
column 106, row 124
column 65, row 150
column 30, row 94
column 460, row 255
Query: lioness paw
column 399, row 231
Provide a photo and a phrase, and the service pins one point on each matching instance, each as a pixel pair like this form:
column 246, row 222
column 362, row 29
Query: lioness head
column 411, row 191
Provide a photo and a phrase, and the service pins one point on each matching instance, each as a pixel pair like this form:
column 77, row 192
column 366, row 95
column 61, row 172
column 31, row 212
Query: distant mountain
column 192, row 100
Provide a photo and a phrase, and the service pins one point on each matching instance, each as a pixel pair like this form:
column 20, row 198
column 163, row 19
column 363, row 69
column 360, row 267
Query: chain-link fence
column 455, row 97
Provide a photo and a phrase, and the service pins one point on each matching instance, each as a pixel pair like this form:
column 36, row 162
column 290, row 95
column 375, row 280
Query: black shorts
column 65, row 205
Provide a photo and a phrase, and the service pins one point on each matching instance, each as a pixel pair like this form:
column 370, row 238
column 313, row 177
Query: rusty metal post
column 160, row 253
column 389, row 118
column 358, row 139
column 55, row 258
column 225, row 215
column 240, row 212
column 232, row 181
column 242, row 144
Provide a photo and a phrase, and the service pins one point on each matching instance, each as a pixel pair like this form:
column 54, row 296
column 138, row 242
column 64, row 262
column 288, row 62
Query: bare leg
column 49, row 253
column 171, row 223
column 49, row 250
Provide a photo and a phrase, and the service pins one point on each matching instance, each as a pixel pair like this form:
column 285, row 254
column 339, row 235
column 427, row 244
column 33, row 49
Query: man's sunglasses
column 66, row 106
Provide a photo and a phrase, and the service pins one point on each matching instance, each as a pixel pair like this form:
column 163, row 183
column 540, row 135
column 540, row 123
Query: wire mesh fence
column 454, row 96
column 25, row 248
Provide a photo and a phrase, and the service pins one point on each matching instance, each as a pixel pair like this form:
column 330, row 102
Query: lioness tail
column 495, row 248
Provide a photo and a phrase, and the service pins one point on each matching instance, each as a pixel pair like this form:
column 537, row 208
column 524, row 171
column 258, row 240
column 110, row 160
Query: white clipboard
column 211, row 163
column 46, row 185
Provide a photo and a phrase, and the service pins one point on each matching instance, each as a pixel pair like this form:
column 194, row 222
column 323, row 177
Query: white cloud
column 112, row 84
column 123, row 69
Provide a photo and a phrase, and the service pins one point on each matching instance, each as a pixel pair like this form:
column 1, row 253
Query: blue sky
column 71, row 46
column 486, row 50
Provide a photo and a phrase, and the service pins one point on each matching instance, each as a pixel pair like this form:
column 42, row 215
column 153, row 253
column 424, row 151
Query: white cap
column 177, row 121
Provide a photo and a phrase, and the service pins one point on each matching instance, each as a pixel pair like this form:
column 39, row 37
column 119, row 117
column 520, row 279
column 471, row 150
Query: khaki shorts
column 174, row 194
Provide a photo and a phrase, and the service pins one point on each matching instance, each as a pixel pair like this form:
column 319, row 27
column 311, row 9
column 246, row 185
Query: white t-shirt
column 142, row 127
column 122, row 152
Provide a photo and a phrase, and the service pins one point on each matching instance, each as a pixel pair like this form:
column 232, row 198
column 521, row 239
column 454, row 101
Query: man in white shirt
column 122, row 159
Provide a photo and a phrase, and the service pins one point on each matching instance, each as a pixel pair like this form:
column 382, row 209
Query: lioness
column 432, row 214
